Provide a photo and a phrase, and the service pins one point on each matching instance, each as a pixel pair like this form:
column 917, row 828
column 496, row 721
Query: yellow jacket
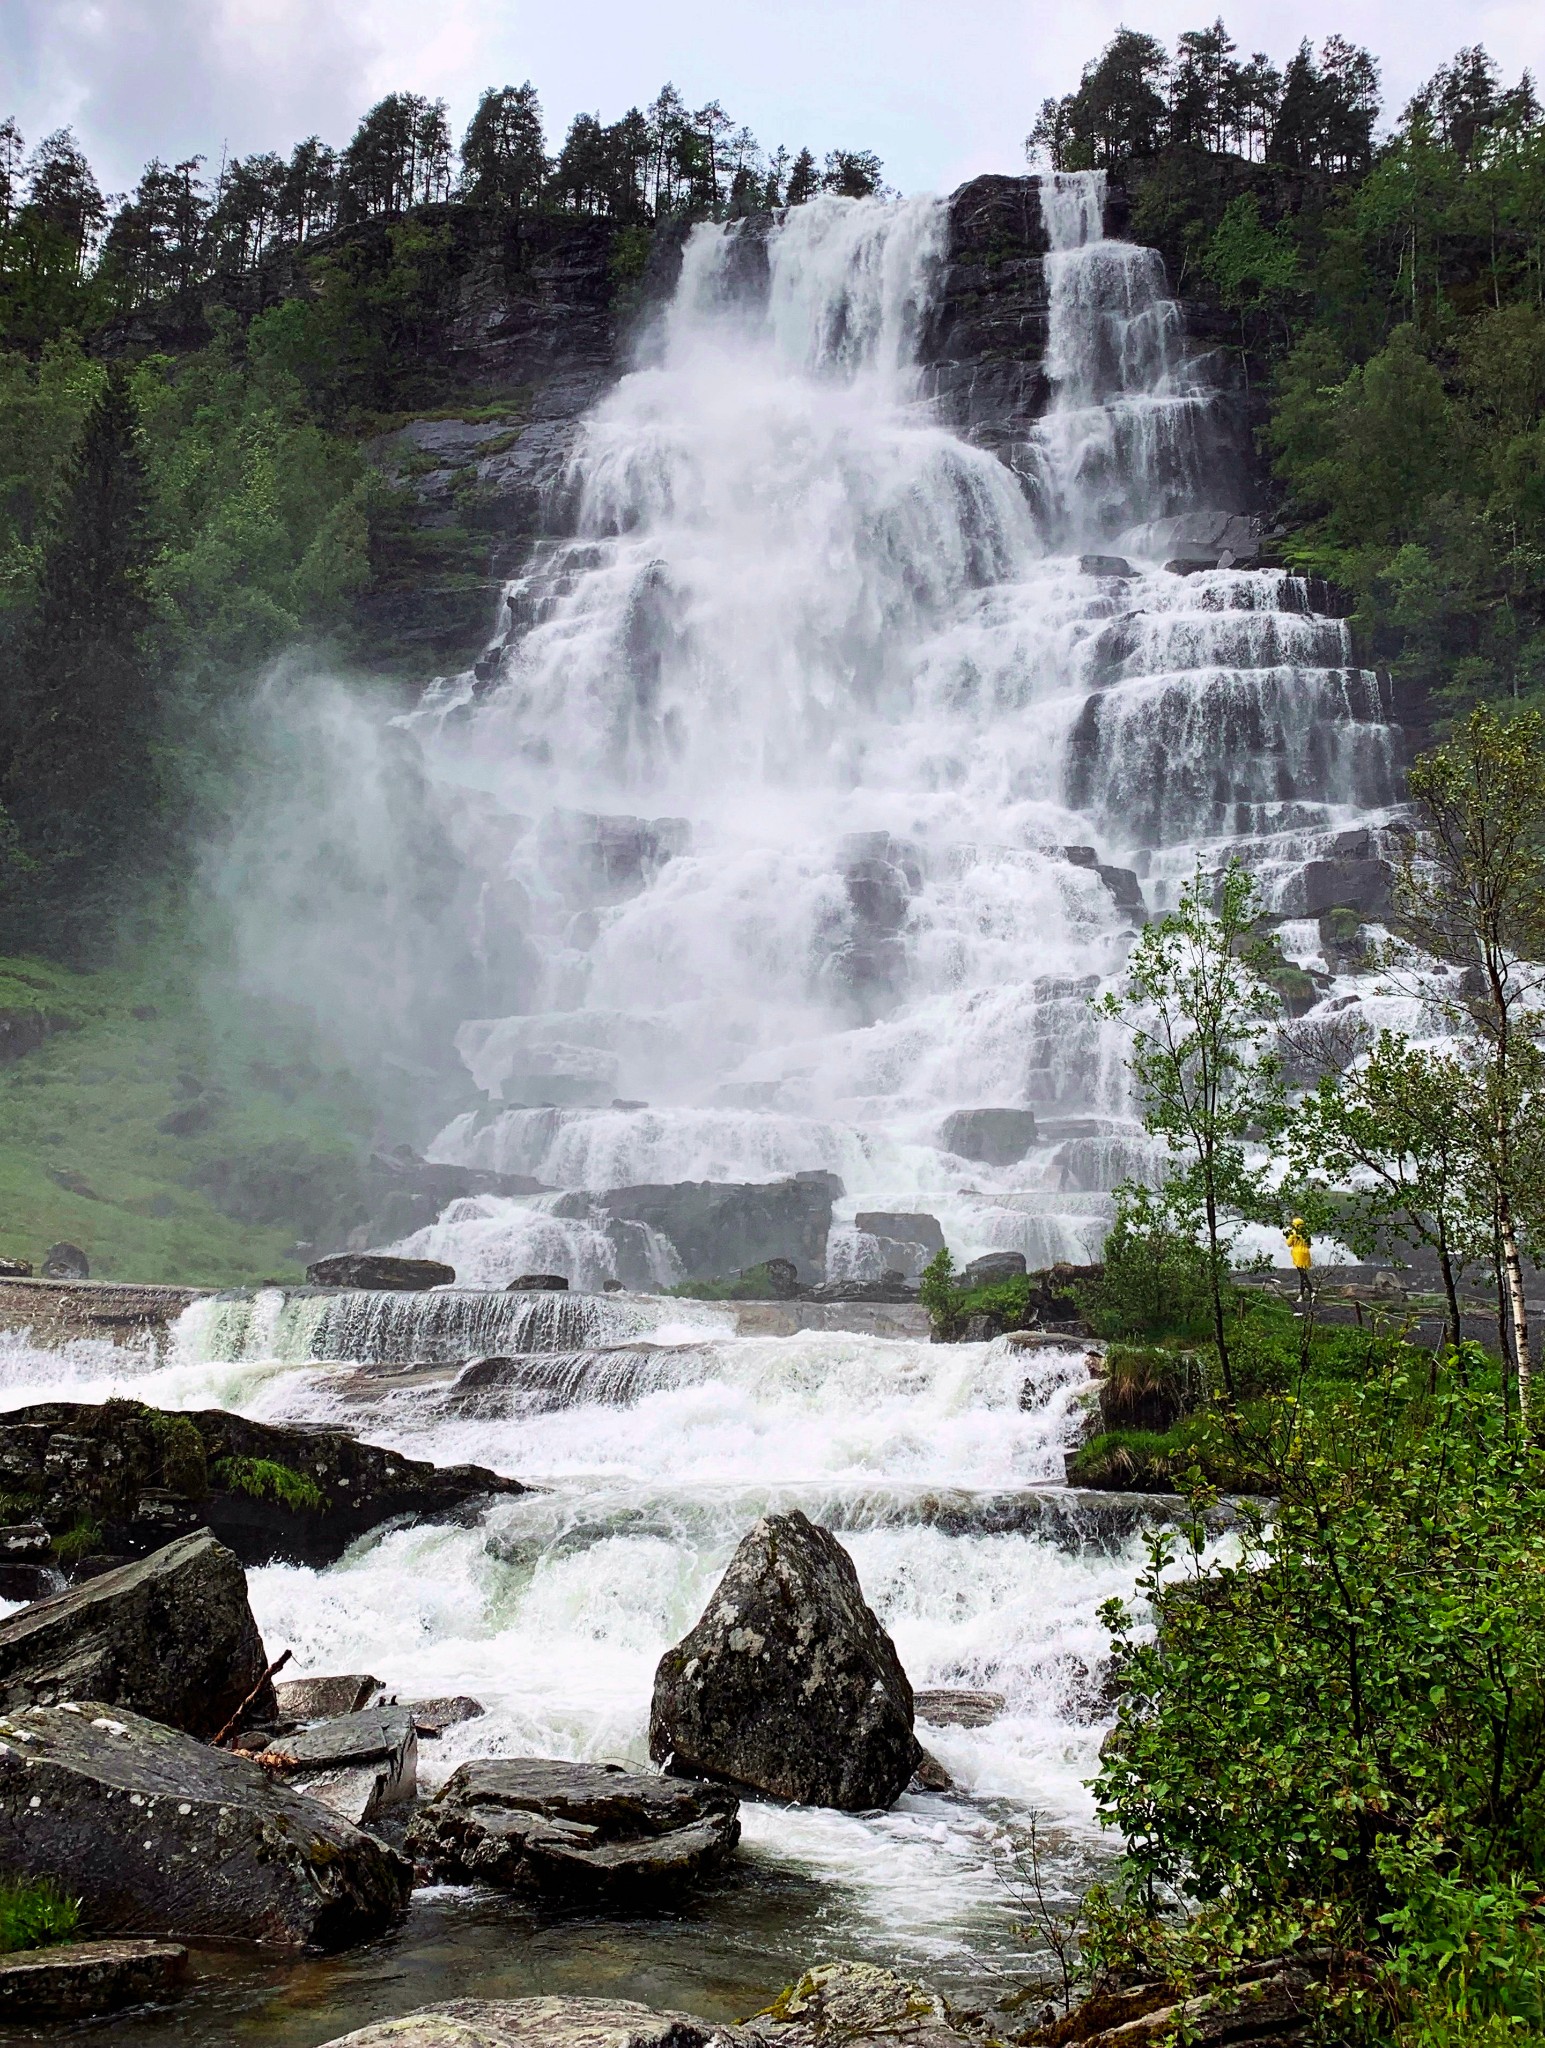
column 1298, row 1246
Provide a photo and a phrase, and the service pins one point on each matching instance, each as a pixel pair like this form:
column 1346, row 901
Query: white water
column 775, row 782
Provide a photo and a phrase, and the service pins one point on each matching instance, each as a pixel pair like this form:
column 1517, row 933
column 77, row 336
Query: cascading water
column 810, row 778
column 812, row 791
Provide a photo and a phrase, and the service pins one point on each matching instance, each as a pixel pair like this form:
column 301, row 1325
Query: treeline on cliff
column 1385, row 301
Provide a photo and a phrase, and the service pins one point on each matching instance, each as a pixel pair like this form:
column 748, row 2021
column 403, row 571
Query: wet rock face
column 788, row 1685
column 545, row 2023
column 268, row 1490
column 361, row 1765
column 573, row 1829
column 985, row 343
column 79, row 1978
column 719, row 1228
column 153, row 1830
column 170, row 1636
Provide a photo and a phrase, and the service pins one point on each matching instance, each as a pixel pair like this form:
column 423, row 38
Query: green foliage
column 1154, row 1277
column 1348, row 1721
column 82, row 1539
column 1252, row 265
column 1005, row 1302
column 1197, row 1005
column 34, row 1913
column 265, row 1479
column 184, row 1468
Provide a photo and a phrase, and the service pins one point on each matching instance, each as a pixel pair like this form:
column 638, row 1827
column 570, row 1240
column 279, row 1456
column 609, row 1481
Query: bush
column 1154, row 1282
column 34, row 1913
column 1351, row 1718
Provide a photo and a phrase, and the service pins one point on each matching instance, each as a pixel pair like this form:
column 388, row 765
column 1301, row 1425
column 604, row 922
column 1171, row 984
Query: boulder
column 431, row 1718
column 904, row 1227
column 323, row 1699
column 539, row 1283
column 719, row 1228
column 26, row 1568
column 75, row 1979
column 788, row 1685
column 993, row 1137
column 153, row 1830
column 594, row 1830
column 928, row 1774
column 380, row 1270
column 992, row 1269
column 66, row 1262
column 268, row 1490
column 15, row 1269
column 839, row 2003
column 361, row 1765
column 957, row 1708
column 544, row 2023
column 1105, row 565
column 170, row 1636
column 1190, row 565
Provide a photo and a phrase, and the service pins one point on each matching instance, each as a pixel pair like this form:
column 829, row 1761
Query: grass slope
column 170, row 1142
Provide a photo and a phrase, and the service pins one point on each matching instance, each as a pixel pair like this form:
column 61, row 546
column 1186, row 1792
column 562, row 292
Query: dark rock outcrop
column 904, row 1227
column 374, row 1270
column 984, row 346
column 544, row 2023
column 268, row 1490
column 538, row 1283
column 170, row 1636
column 532, row 1824
column 66, row 1262
column 323, row 1699
column 432, row 1717
column 77, row 1979
column 153, row 1830
column 719, row 1228
column 993, row 1137
column 788, row 1685
column 992, row 1269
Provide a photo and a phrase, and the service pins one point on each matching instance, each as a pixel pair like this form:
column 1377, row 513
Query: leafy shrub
column 1154, row 1278
column 1351, row 1718
column 34, row 1913
column 266, row 1479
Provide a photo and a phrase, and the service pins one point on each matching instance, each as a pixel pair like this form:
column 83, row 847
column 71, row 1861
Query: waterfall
column 818, row 781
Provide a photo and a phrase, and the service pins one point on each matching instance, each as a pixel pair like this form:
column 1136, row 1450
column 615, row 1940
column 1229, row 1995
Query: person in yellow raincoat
column 1301, row 1253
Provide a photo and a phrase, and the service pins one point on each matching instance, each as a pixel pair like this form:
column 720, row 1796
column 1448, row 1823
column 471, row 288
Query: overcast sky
column 941, row 90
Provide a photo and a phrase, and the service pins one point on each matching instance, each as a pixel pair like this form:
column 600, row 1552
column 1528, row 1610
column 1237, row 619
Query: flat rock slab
column 360, row 1765
column 170, row 1635
column 957, row 1708
column 157, row 1833
column 79, row 1978
column 546, row 1826
column 380, row 1270
column 544, row 2023
column 320, row 1699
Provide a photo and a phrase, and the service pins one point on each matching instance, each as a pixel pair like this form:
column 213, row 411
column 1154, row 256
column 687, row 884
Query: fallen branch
column 233, row 1726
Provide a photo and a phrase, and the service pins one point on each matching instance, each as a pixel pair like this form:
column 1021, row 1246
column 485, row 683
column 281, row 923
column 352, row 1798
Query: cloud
column 939, row 92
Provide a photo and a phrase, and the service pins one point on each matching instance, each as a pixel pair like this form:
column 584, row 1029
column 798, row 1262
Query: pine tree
column 78, row 774
column 804, row 179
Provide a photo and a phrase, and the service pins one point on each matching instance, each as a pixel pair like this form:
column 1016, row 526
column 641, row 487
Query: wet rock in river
column 377, row 1270
column 788, row 1685
column 76, row 1979
column 841, row 2002
column 323, row 1699
column 361, row 1765
column 544, row 2023
column 994, row 1137
column 957, row 1708
column 268, row 1490
column 153, row 1830
column 171, row 1636
column 432, row 1717
column 564, row 1828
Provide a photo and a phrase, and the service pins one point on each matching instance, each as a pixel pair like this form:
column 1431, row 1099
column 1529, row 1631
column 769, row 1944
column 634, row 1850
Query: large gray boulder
column 361, row 1765
column 380, row 1271
column 157, row 1833
column 546, row 1826
column 719, row 1228
column 544, row 2023
column 170, row 1636
column 788, row 1685
column 992, row 1137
